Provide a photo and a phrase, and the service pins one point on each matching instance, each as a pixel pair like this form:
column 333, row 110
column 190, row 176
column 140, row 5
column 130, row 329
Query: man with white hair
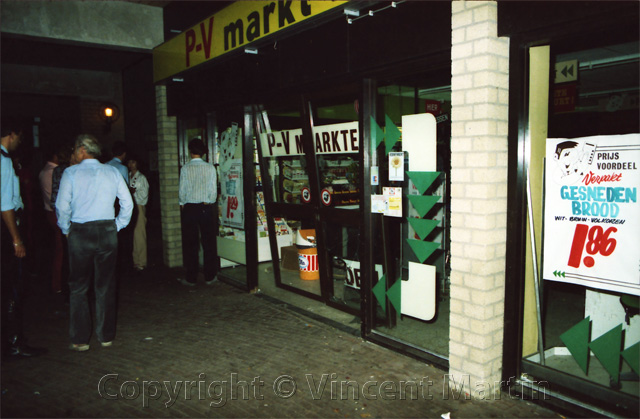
column 86, row 215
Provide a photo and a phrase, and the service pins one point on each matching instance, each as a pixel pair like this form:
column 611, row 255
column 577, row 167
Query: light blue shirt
column 88, row 192
column 198, row 183
column 117, row 163
column 9, row 185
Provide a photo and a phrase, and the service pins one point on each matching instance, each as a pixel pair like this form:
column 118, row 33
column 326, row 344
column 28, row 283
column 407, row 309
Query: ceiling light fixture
column 354, row 14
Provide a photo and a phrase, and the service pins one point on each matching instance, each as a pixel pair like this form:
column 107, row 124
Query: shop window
column 590, row 322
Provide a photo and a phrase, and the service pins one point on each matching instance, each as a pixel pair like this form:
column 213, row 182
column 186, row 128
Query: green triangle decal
column 422, row 180
column 607, row 349
column 422, row 249
column 423, row 227
column 392, row 134
column 632, row 356
column 576, row 340
column 379, row 291
column 423, row 204
column 377, row 134
column 395, row 296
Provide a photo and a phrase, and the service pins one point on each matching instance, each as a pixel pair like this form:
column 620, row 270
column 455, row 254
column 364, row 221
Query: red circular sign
column 326, row 197
column 305, row 195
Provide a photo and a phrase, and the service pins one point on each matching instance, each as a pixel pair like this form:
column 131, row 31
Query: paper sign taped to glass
column 231, row 202
column 393, row 199
column 592, row 213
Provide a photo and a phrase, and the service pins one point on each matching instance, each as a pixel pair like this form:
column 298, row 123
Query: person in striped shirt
column 197, row 196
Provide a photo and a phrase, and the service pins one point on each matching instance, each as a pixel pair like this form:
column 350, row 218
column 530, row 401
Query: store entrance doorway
column 310, row 159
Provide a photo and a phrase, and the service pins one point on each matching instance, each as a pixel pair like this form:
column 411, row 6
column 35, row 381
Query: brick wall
column 479, row 96
column 169, row 180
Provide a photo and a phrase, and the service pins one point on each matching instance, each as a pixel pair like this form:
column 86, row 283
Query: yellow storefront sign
column 233, row 27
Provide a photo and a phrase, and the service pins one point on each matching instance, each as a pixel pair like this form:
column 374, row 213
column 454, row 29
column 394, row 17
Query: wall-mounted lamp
column 110, row 114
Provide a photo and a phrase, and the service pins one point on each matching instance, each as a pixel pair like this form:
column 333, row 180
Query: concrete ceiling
column 150, row 2
column 47, row 52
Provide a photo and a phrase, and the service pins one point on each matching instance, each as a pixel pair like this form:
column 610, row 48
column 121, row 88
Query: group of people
column 132, row 248
column 87, row 203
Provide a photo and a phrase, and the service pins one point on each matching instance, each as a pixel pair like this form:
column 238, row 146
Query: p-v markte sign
column 233, row 27
column 566, row 71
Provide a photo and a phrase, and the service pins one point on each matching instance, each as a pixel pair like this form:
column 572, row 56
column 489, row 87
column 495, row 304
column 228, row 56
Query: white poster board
column 592, row 214
column 419, row 140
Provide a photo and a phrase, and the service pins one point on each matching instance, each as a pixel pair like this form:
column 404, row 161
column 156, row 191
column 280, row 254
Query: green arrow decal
column 576, row 340
column 632, row 356
column 379, row 291
column 607, row 349
column 392, row 134
column 422, row 249
column 422, row 180
column 423, row 227
column 423, row 204
column 395, row 295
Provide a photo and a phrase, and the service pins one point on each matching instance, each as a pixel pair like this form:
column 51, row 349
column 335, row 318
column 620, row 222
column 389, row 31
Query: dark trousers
column 125, row 243
column 58, row 252
column 93, row 251
column 12, row 287
column 199, row 218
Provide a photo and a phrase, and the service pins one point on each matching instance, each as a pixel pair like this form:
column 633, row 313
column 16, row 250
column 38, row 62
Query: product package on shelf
column 231, row 233
column 294, row 173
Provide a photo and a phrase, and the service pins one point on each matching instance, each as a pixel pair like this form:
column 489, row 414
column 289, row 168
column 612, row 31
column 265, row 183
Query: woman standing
column 140, row 191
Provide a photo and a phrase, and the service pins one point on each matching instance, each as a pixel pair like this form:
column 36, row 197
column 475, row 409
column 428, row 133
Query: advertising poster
column 393, row 200
column 396, row 166
column 231, row 207
column 592, row 213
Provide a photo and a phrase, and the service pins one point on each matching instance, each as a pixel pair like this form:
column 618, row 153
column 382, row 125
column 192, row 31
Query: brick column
column 169, row 180
column 479, row 96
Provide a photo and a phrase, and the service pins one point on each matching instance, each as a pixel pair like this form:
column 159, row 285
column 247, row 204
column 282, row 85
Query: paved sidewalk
column 219, row 352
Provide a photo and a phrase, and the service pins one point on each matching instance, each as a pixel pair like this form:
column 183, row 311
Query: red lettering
column 593, row 178
column 206, row 39
column 232, row 204
column 190, row 39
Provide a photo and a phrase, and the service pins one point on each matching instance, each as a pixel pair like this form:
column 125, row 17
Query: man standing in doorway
column 119, row 151
column 197, row 197
column 13, row 250
column 125, row 236
column 86, row 215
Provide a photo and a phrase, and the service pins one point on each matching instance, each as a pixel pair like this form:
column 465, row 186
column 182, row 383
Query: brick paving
column 220, row 352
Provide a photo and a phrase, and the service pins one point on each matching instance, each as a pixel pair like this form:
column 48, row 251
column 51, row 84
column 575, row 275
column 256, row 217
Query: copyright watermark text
column 318, row 387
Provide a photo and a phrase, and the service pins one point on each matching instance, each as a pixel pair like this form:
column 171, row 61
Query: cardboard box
column 289, row 259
